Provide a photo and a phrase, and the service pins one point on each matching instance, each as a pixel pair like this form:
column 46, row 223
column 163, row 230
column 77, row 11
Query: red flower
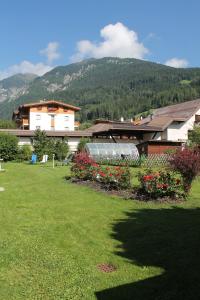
column 148, row 177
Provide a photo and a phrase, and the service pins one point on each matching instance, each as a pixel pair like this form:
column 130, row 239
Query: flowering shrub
column 161, row 184
column 187, row 163
column 85, row 168
column 114, row 177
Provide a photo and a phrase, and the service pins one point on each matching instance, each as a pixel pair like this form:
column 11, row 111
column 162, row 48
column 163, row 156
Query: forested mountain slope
column 111, row 87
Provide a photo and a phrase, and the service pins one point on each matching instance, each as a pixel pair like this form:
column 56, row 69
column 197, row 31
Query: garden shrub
column 85, row 168
column 187, row 163
column 161, row 184
column 45, row 145
column 194, row 136
column 40, row 143
column 8, row 146
column 61, row 149
column 82, row 143
column 114, row 177
column 24, row 153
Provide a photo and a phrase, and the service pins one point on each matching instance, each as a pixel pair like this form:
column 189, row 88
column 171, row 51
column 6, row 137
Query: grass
column 53, row 234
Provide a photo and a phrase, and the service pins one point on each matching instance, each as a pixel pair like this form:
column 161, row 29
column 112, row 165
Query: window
column 37, row 127
column 38, row 117
column 66, row 118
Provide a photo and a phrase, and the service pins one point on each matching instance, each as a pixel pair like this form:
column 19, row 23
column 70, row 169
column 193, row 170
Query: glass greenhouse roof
column 112, row 150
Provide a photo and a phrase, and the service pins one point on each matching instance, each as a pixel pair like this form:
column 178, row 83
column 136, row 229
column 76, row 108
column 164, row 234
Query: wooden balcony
column 25, row 122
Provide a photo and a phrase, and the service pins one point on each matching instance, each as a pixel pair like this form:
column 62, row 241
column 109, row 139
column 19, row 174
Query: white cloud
column 40, row 68
column 25, row 67
column 51, row 52
column 177, row 63
column 118, row 41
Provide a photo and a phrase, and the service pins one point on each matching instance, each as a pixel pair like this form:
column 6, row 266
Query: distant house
column 174, row 121
column 165, row 129
column 46, row 115
column 170, row 123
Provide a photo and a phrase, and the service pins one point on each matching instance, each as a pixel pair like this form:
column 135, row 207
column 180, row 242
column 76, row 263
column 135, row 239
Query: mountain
column 15, row 86
column 110, row 87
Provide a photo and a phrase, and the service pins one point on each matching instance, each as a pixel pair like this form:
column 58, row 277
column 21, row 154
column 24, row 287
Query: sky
column 36, row 36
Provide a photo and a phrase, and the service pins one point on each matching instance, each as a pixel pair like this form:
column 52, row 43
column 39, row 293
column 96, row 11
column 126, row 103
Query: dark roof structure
column 157, row 122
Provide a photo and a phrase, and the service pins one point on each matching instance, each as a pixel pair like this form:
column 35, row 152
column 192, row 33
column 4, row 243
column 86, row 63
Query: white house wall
column 179, row 131
column 72, row 142
column 43, row 121
column 64, row 122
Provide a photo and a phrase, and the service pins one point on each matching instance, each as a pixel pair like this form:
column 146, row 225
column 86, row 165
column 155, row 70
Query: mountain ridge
column 111, row 87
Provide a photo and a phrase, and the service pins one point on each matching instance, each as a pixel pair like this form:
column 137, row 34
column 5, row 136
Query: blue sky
column 38, row 35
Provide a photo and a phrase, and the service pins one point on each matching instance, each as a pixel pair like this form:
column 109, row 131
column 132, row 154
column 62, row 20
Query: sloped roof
column 111, row 127
column 160, row 121
column 43, row 103
column 179, row 112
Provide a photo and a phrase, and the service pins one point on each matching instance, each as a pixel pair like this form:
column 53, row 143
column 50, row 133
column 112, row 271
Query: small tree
column 187, row 163
column 40, row 143
column 8, row 146
column 24, row 153
column 194, row 136
column 82, row 143
column 61, row 149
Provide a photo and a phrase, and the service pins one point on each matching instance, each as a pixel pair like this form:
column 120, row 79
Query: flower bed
column 161, row 185
column 85, row 168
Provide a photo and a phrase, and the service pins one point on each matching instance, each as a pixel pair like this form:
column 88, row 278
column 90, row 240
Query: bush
column 82, row 143
column 6, row 124
column 40, row 143
column 45, row 145
column 24, row 153
column 187, row 163
column 61, row 149
column 85, row 168
column 114, row 177
column 194, row 136
column 8, row 146
column 82, row 167
column 161, row 184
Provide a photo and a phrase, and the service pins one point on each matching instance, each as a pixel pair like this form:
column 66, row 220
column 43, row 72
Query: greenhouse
column 108, row 151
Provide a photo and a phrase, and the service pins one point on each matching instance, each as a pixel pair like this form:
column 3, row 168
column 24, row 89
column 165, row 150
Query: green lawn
column 53, row 234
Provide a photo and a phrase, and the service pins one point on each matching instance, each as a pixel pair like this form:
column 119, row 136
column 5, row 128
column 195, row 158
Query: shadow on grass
column 165, row 238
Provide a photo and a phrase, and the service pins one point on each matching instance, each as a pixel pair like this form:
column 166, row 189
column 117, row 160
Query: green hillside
column 112, row 87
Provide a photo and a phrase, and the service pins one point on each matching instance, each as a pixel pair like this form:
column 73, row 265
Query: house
column 174, row 121
column 167, row 128
column 48, row 115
